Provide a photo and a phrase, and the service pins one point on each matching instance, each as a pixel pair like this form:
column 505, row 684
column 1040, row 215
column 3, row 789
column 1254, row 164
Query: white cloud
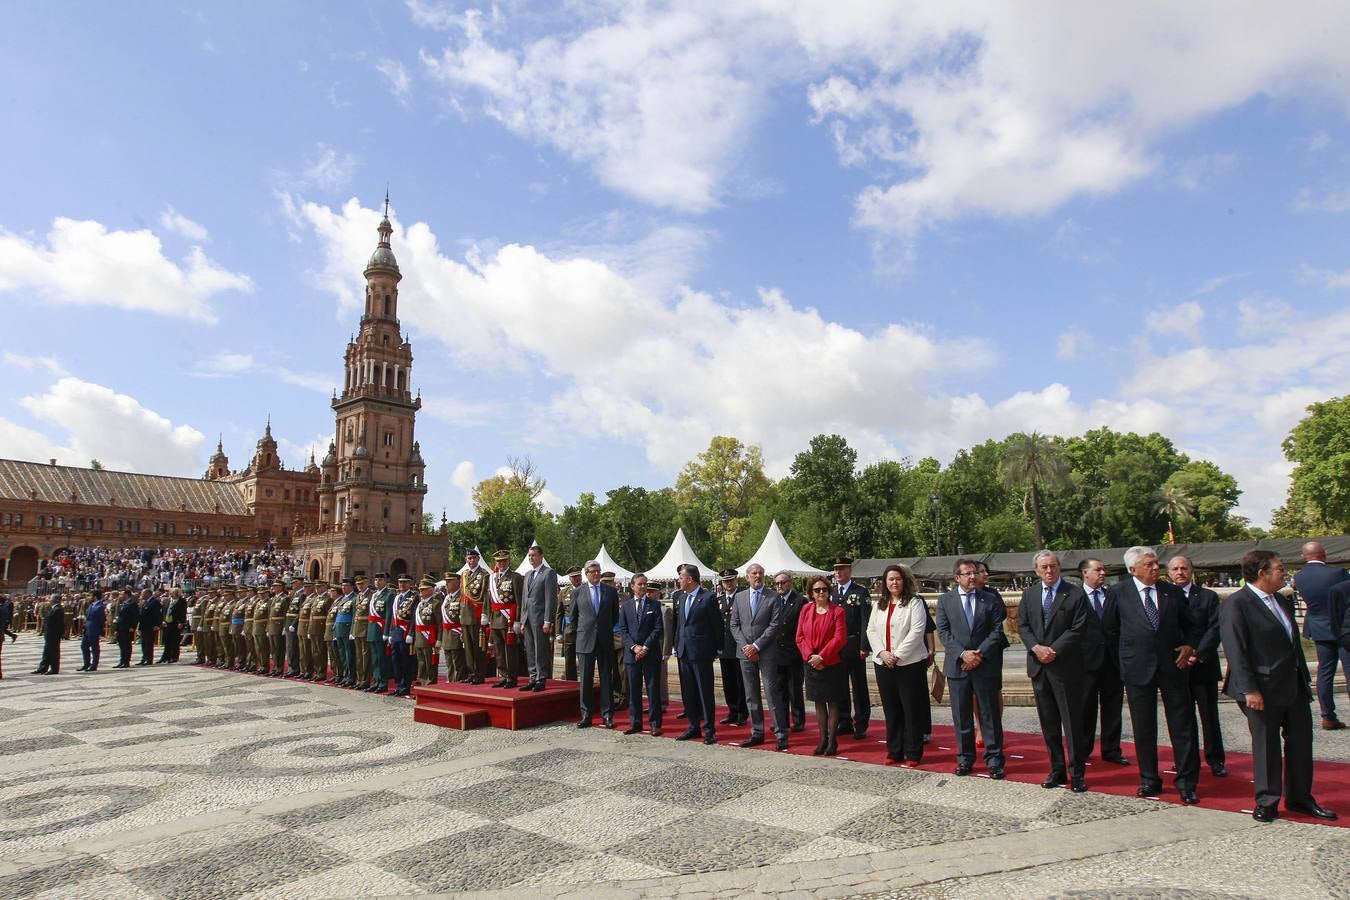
column 1183, row 320
column 33, row 363
column 1202, row 171
column 1333, row 199
column 328, row 169
column 1071, row 344
column 1318, row 142
column 223, row 365
column 296, row 454
column 174, row 221
column 465, row 479
column 98, row 423
column 551, row 502
column 396, row 74
column 323, row 384
column 1327, row 277
column 82, row 262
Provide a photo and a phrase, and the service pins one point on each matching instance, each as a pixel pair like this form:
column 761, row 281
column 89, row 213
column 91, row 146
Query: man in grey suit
column 535, row 626
column 970, row 626
column 596, row 607
column 756, row 617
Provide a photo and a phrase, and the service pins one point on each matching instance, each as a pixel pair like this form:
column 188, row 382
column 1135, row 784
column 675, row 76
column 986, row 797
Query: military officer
column 733, row 687
column 291, row 629
column 857, row 603
column 452, row 630
column 332, row 667
column 378, row 612
column 425, row 619
column 258, row 622
column 342, row 633
column 505, row 610
column 304, row 621
column 224, row 621
column 565, row 623
column 400, row 636
column 276, row 627
column 360, row 625
column 474, row 578
column 318, row 623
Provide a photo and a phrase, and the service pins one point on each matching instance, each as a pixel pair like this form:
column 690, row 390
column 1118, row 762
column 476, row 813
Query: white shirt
column 908, row 624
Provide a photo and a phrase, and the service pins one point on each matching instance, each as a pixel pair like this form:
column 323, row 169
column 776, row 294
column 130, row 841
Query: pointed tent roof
column 607, row 564
column 680, row 552
column 775, row 555
column 525, row 561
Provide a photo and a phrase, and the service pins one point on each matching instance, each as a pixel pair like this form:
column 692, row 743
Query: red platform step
column 449, row 715
column 503, row 707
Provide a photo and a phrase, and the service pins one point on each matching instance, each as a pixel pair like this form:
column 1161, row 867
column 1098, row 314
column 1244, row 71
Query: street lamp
column 935, row 500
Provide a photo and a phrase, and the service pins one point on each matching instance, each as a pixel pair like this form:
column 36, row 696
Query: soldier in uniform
column 342, row 633
column 318, row 622
column 302, row 636
column 452, row 630
column 857, row 603
column 332, row 665
column 733, row 688
column 224, row 621
column 565, row 623
column 425, row 618
column 505, row 610
column 378, row 612
column 276, row 629
column 238, row 623
column 360, row 625
column 400, row 636
column 291, row 629
column 262, row 617
column 473, row 617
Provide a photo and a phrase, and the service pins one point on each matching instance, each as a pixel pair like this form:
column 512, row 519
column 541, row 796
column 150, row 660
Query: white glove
column 484, row 620
column 518, row 628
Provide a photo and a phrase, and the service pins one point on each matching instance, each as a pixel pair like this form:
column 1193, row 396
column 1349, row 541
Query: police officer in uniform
column 857, row 603
column 565, row 622
column 452, row 630
column 733, row 688
column 378, row 612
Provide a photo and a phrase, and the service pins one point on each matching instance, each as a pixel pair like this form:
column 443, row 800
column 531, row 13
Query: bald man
column 1314, row 583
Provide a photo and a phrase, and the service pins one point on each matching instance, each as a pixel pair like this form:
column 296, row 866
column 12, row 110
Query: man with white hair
column 596, row 607
column 1152, row 630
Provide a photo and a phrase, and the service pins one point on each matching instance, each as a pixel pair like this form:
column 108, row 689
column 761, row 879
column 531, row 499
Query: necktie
column 1279, row 614
column 530, row 586
column 1150, row 608
column 970, row 610
column 1045, row 604
column 754, row 602
column 1097, row 602
column 688, row 601
column 595, row 598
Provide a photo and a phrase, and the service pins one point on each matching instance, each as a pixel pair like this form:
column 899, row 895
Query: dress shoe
column 608, row 722
column 379, row 692
column 1148, row 790
column 1078, row 786
column 633, row 729
column 682, row 715
column 688, row 734
column 1331, row 723
column 782, row 744
column 860, row 735
column 729, row 720
column 832, row 748
column 751, row 741
column 509, row 683
column 656, row 731
column 541, row 685
column 1116, row 760
column 82, row 669
column 1265, row 813
column 1189, row 798
column 527, row 686
column 1054, row 781
column 997, row 774
column 38, row 672
column 963, row 769
column 1219, row 771
column 1312, row 809
column 799, row 727
column 584, row 723
column 499, row 683
column 710, row 739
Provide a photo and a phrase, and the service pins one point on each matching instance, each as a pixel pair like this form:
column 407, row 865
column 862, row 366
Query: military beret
column 573, row 570
column 472, row 551
column 427, row 581
column 501, row 554
column 841, row 561
column 727, row 574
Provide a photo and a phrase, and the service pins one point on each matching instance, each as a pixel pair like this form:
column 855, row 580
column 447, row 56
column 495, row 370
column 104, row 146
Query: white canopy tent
column 607, row 564
column 679, row 553
column 775, row 555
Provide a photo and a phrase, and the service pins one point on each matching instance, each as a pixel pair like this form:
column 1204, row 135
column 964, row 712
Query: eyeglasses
column 820, row 590
column 782, row 584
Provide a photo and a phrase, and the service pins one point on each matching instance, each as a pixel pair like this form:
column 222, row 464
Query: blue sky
column 626, row 229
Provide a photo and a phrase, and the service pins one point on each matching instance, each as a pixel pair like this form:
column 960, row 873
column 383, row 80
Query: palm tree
column 1032, row 462
column 1175, row 504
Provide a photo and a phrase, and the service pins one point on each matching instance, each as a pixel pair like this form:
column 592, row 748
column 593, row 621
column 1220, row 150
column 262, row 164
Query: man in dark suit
column 128, row 616
column 1152, row 631
column 1268, row 677
column 791, row 669
column 53, row 629
column 641, row 626
column 538, row 608
column 1052, row 622
column 152, row 615
column 970, row 626
column 597, row 609
column 698, row 635
column 1104, row 690
column 175, row 617
column 1205, row 674
column 733, row 691
column 756, row 619
column 1314, row 583
column 95, row 619
column 1339, row 599
column 857, row 603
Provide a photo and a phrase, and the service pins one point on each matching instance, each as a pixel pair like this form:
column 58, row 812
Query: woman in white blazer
column 900, row 657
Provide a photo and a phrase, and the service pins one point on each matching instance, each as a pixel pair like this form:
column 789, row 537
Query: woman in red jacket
column 820, row 638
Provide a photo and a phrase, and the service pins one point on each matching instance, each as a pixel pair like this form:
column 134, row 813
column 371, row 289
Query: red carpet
column 1028, row 762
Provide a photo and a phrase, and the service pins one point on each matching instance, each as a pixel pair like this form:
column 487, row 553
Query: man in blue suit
column 970, row 626
column 596, row 607
column 640, row 625
column 1314, row 583
column 698, row 634
column 95, row 618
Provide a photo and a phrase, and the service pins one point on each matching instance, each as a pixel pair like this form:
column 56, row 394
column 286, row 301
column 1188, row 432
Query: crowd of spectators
column 108, row 568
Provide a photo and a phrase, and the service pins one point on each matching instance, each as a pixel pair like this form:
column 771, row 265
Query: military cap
column 349, row 580
column 573, row 570
column 472, row 551
column 501, row 554
column 727, row 574
column 333, row 587
column 454, row 575
column 276, row 584
column 405, row 578
column 427, row 581
column 841, row 561
column 361, row 579
column 607, row 577
column 384, row 575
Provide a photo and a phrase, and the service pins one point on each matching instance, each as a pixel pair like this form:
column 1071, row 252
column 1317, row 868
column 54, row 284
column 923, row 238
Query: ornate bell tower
column 373, row 478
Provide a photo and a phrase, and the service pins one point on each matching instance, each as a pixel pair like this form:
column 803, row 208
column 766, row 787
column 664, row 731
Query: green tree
column 96, row 465
column 1319, row 447
column 823, row 484
column 1033, row 463
column 720, row 486
column 1173, row 502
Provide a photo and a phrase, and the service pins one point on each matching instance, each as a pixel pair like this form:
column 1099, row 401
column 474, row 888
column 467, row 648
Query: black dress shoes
column 729, row 720
column 1118, row 760
column 1148, row 790
column 963, row 768
column 1265, row 814
column 1078, row 786
column 540, row 686
column 710, row 739
column 82, row 669
column 1312, row 809
column 681, row 715
column 782, row 744
column 751, row 741
column 608, row 722
column 1189, row 798
column 633, row 729
column 584, row 723
column 997, row 774
column 860, row 734
column 688, row 734
column 1219, row 771
column 1054, row 781
column 799, row 727
column 527, row 686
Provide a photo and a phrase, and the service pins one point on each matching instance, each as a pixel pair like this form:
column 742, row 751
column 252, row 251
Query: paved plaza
column 183, row 782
